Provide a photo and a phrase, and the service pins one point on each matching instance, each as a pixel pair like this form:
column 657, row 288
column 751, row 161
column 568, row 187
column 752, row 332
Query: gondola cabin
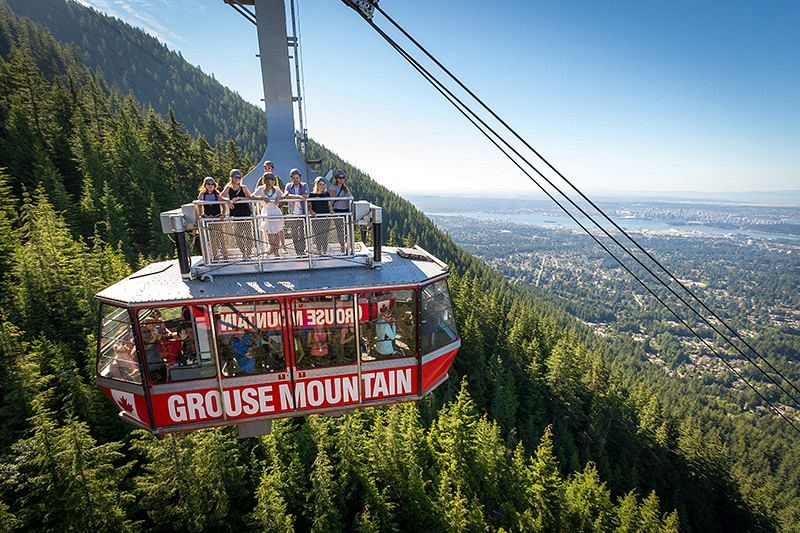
column 243, row 334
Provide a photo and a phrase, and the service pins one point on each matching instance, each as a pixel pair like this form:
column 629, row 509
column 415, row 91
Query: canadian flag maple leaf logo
column 126, row 402
column 123, row 402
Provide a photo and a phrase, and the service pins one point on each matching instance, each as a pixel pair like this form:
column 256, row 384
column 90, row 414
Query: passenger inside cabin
column 241, row 348
column 274, row 360
column 318, row 341
column 385, row 332
column 187, row 344
column 247, row 364
column 124, row 365
column 151, row 339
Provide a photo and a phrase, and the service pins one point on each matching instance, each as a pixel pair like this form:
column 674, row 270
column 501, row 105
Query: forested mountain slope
column 106, row 46
column 544, row 432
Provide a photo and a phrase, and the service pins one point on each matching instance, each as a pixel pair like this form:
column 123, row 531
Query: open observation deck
column 296, row 239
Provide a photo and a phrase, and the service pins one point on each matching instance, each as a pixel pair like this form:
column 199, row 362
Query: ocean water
column 552, row 220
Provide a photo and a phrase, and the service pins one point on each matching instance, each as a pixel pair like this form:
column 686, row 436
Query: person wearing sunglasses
column 339, row 190
column 269, row 168
column 236, row 192
column 208, row 193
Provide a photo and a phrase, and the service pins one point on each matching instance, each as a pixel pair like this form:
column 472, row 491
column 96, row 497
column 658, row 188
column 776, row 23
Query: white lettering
column 380, row 385
column 333, row 390
column 213, row 406
column 403, row 381
column 315, row 394
column 265, row 399
column 233, row 402
column 350, row 389
column 285, row 391
column 250, row 402
column 367, row 379
column 177, row 408
column 300, row 395
column 194, row 406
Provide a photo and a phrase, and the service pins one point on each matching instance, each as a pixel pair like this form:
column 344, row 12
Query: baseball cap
column 236, row 173
column 294, row 171
column 208, row 179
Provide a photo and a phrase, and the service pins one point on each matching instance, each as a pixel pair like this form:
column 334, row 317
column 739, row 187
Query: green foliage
column 545, row 434
column 194, row 480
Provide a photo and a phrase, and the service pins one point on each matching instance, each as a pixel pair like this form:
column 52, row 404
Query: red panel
column 389, row 382
column 132, row 404
column 435, row 370
column 276, row 398
column 331, row 391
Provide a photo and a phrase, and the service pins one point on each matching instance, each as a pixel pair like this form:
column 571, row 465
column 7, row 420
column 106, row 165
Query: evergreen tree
column 324, row 513
column 271, row 511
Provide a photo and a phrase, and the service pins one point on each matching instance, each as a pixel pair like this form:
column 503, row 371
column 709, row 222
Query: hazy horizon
column 622, row 95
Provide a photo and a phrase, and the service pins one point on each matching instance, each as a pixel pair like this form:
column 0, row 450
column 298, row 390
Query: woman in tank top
column 236, row 191
column 273, row 225
column 208, row 193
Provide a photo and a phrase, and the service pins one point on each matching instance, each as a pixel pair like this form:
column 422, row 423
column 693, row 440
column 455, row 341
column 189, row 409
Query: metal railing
column 268, row 238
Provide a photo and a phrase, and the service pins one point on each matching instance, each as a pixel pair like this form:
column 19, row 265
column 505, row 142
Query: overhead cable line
column 246, row 13
column 466, row 111
column 627, row 251
column 155, row 58
column 588, row 200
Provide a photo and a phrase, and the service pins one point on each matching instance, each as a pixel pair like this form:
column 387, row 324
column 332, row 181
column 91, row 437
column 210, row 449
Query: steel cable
column 466, row 111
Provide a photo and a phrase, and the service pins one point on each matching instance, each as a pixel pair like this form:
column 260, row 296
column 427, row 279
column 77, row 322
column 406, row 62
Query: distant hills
column 551, row 428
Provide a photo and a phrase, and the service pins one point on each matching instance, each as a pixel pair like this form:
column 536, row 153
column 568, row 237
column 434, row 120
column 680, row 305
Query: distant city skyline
column 686, row 96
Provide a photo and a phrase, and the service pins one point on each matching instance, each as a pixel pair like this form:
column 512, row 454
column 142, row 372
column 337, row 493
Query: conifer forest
column 541, row 426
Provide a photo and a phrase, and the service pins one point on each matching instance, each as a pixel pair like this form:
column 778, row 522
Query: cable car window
column 389, row 333
column 177, row 343
column 324, row 331
column 250, row 338
column 117, row 358
column 437, row 326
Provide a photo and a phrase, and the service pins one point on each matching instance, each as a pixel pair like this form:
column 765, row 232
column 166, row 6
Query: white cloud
column 139, row 13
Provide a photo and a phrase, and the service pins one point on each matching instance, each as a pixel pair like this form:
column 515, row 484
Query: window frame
column 254, row 303
column 103, row 346
column 421, row 300
column 369, row 327
column 295, row 329
column 141, row 346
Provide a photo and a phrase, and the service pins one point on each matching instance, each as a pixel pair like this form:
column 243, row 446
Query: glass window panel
column 390, row 330
column 437, row 326
column 324, row 331
column 177, row 343
column 117, row 358
column 250, row 338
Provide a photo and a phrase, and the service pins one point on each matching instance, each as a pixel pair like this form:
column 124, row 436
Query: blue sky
column 621, row 95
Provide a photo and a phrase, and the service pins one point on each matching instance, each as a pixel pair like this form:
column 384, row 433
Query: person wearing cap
column 269, row 168
column 269, row 193
column 236, row 192
column 340, row 190
column 298, row 191
column 320, row 227
column 208, row 193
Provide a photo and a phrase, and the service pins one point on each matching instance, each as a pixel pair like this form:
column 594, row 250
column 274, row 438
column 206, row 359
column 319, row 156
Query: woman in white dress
column 271, row 195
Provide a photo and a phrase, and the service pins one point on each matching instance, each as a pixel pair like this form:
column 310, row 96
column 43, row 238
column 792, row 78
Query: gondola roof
column 161, row 283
